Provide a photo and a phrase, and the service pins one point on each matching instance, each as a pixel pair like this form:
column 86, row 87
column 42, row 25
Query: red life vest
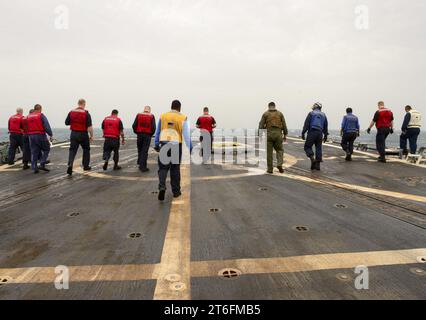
column 206, row 123
column 35, row 124
column 78, row 120
column 144, row 123
column 25, row 124
column 15, row 124
column 112, row 127
column 385, row 119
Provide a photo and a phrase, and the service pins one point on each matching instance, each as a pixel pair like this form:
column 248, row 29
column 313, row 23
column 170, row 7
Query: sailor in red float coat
column 80, row 123
column 113, row 128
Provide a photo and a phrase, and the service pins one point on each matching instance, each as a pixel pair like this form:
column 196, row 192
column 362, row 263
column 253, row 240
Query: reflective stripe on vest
column 15, row 124
column 385, row 119
column 78, row 120
column 112, row 127
column 144, row 123
column 206, row 123
column 415, row 120
column 172, row 127
column 35, row 124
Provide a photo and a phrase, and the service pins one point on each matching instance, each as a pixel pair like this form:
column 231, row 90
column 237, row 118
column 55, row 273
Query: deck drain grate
column 229, row 273
column 57, row 195
column 341, row 206
column 263, row 189
column 301, row 228
column 155, row 192
column 73, row 214
column 215, row 210
column 135, row 235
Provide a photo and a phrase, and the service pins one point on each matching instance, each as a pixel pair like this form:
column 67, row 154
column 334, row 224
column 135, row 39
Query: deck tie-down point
column 343, row 277
column 301, row 229
column 178, row 286
column 5, row 280
column 134, row 235
column 421, row 259
column 229, row 273
column 73, row 214
column 173, row 278
column 418, row 271
column 341, row 206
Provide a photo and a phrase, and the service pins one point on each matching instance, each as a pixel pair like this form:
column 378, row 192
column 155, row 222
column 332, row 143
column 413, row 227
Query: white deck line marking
column 371, row 155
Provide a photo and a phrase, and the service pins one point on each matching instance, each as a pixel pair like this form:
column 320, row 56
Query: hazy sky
column 234, row 56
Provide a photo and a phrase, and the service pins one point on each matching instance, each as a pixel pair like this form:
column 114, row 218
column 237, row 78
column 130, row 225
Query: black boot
column 69, row 171
column 26, row 166
column 348, row 157
column 87, row 169
column 43, row 168
column 105, row 166
column 313, row 163
column 318, row 165
column 117, row 167
column 280, row 169
column 162, row 195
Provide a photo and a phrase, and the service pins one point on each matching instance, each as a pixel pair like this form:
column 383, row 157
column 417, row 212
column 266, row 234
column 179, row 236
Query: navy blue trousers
column 314, row 137
column 40, row 148
column 16, row 140
column 411, row 135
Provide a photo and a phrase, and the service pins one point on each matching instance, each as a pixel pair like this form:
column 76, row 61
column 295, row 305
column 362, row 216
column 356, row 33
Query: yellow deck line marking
column 176, row 256
column 7, row 168
column 308, row 263
column 83, row 273
column 198, row 269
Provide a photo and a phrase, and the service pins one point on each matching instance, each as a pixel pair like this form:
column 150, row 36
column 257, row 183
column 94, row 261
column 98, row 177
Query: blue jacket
column 316, row 120
column 407, row 120
column 350, row 123
column 46, row 125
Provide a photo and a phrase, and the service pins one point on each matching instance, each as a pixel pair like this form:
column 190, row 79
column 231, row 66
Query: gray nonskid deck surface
column 253, row 231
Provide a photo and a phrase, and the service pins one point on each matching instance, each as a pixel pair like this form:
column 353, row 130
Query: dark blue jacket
column 46, row 125
column 407, row 120
column 350, row 123
column 316, row 120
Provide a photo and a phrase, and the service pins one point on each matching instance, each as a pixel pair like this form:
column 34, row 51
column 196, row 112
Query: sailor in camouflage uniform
column 274, row 122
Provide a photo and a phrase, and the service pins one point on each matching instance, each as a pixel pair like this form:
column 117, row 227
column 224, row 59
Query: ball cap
column 317, row 105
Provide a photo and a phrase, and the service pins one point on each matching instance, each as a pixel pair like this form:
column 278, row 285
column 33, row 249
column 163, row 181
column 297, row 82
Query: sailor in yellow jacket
column 172, row 129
